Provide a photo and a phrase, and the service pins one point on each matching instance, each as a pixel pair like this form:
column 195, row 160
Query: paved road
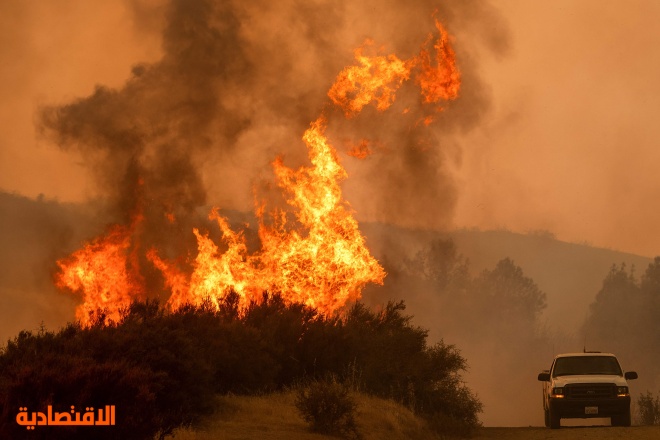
column 570, row 433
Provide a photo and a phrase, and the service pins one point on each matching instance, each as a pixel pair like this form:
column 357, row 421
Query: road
column 570, row 433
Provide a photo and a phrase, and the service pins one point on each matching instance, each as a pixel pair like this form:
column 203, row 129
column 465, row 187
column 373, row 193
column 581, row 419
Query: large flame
column 322, row 261
column 319, row 257
column 105, row 271
column 442, row 80
column 377, row 78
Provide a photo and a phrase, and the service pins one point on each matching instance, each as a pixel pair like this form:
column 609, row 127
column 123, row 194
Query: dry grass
column 275, row 416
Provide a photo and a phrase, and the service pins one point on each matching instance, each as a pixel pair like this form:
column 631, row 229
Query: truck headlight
column 622, row 391
column 558, row 392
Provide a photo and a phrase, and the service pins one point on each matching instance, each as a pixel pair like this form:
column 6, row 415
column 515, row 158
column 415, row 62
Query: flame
column 214, row 273
column 105, row 271
column 361, row 150
column 442, row 80
column 314, row 254
column 330, row 264
column 323, row 262
column 376, row 79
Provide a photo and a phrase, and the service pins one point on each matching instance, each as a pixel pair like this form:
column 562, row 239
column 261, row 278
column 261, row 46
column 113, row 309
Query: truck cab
column 586, row 385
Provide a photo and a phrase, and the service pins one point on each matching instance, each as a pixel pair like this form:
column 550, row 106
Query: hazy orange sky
column 568, row 145
column 572, row 145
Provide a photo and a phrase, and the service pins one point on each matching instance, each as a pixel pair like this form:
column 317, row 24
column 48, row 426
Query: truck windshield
column 573, row 365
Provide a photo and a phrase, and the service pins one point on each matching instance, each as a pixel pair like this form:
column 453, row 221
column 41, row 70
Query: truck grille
column 590, row 391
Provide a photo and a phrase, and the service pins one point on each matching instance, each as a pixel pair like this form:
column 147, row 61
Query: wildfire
column 320, row 259
column 361, row 150
column 330, row 264
column 442, row 80
column 377, row 78
column 324, row 266
column 105, row 271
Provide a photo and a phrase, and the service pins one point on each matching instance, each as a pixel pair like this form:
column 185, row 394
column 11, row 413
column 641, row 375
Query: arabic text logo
column 103, row 417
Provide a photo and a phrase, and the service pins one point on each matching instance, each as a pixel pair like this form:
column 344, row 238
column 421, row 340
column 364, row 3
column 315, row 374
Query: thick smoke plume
column 238, row 83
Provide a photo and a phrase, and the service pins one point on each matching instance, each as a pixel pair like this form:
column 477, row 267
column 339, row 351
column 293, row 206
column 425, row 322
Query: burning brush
column 319, row 259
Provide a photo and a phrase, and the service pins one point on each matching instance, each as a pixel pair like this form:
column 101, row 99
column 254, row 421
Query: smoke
column 239, row 82
column 33, row 233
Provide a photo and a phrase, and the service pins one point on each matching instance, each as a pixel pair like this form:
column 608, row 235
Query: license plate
column 591, row 410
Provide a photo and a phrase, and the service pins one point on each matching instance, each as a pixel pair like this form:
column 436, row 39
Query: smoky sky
column 554, row 129
column 238, row 83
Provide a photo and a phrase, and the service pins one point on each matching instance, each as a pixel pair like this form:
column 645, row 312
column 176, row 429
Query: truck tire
column 621, row 420
column 547, row 418
column 554, row 419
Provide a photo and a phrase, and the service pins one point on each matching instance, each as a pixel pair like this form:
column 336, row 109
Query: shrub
column 166, row 367
column 649, row 409
column 328, row 407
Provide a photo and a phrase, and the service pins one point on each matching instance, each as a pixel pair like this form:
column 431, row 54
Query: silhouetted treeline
column 625, row 317
column 493, row 315
column 163, row 369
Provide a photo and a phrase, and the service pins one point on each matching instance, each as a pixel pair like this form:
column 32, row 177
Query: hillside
column 570, row 274
column 274, row 417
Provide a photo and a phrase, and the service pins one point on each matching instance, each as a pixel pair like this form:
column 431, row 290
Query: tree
column 516, row 299
column 614, row 312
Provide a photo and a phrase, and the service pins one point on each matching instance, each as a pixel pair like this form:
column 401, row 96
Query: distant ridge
column 36, row 231
column 570, row 274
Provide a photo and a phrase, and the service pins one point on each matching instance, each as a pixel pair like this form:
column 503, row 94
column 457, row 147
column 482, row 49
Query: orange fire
column 361, row 150
column 442, row 80
column 215, row 274
column 377, row 78
column 105, row 271
column 319, row 258
column 323, row 262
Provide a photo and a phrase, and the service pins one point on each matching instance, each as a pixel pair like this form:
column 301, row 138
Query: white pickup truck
column 586, row 385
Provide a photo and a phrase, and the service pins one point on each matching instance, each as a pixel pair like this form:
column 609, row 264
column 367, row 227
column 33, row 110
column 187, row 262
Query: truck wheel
column 547, row 418
column 621, row 420
column 554, row 419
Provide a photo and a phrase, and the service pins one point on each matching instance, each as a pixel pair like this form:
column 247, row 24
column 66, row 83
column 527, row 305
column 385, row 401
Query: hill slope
column 274, row 416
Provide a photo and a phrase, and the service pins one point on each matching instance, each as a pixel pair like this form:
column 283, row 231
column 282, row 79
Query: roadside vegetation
column 165, row 370
column 275, row 416
column 648, row 407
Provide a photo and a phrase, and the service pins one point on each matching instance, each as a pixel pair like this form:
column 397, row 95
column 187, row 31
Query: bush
column 163, row 369
column 328, row 407
column 649, row 409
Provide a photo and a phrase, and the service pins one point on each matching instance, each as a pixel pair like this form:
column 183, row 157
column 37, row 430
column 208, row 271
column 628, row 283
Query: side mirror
column 629, row 375
column 545, row 376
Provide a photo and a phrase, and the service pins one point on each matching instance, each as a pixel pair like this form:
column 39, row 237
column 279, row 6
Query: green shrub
column 328, row 407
